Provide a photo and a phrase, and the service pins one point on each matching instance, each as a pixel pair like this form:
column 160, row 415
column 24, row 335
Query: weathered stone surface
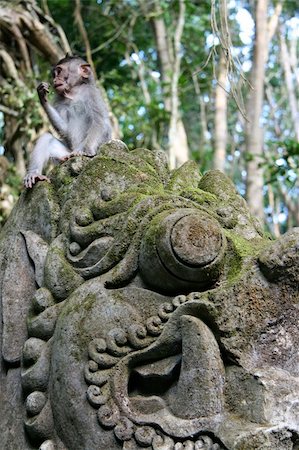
column 144, row 308
column 281, row 259
column 38, row 213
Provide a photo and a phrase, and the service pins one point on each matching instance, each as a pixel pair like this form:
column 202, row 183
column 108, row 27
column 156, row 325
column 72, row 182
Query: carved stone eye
column 182, row 250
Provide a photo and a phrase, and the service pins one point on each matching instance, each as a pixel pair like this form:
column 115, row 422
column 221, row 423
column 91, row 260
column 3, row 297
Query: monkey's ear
column 85, row 70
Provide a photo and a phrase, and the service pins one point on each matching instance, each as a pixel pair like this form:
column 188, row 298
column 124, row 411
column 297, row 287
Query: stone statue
column 146, row 309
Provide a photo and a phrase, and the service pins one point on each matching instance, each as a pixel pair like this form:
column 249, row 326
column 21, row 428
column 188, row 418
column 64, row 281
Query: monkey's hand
column 43, row 90
column 32, row 178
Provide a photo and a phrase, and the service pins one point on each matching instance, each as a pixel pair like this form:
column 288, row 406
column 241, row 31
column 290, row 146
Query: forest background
column 214, row 81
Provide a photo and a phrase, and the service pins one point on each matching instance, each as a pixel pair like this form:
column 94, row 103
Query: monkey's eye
column 57, row 71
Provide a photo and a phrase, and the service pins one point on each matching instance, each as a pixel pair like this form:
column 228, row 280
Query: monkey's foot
column 67, row 157
column 73, row 155
column 32, row 178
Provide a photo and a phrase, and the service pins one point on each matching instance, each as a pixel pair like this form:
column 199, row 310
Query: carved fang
column 199, row 392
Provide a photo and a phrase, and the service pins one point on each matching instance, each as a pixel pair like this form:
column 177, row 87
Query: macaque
column 78, row 114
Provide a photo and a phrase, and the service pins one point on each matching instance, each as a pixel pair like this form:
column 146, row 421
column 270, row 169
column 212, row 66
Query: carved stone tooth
column 187, row 445
column 199, row 392
column 47, row 445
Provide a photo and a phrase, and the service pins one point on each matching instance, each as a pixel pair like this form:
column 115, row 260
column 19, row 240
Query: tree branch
column 64, row 41
column 8, row 111
column 83, row 32
column 11, row 69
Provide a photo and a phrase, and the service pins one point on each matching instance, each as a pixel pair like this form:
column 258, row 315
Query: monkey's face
column 69, row 74
column 61, row 79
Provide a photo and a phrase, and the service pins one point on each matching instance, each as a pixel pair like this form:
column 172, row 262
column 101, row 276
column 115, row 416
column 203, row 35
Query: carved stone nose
column 182, row 250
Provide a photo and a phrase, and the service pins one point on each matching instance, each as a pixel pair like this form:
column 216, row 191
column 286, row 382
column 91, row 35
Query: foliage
column 9, row 190
column 23, row 100
column 282, row 165
column 125, row 56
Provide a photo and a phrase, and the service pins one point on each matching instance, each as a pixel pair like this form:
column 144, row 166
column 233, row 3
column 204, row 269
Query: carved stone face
column 163, row 318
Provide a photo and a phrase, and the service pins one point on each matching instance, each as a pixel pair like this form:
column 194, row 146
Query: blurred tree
column 289, row 64
column 281, row 149
column 170, row 55
column 220, row 127
column 254, row 134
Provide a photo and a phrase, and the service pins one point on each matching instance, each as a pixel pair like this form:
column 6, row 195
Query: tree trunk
column 221, row 116
column 170, row 60
column 274, row 212
column 164, row 58
column 254, row 133
column 287, row 67
column 178, row 144
column 292, row 206
column 204, row 133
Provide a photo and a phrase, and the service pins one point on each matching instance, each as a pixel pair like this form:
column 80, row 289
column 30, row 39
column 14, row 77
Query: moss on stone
column 244, row 247
column 199, row 196
column 219, row 184
column 240, row 250
column 185, row 177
